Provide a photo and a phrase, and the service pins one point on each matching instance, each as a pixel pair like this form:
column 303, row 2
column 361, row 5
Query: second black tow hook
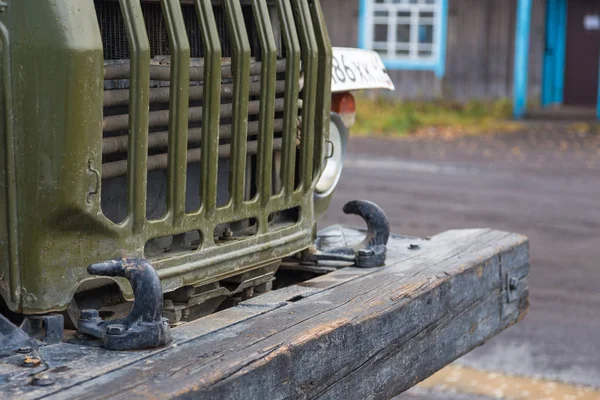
column 371, row 252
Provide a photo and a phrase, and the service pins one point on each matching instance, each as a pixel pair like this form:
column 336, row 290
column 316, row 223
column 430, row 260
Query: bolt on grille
column 205, row 120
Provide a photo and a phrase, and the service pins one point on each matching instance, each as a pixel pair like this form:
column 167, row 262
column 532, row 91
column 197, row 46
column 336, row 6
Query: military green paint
column 212, row 106
column 240, row 66
column 310, row 60
column 323, row 104
column 290, row 113
column 322, row 123
column 52, row 93
column 56, row 94
column 139, row 104
column 267, row 98
column 10, row 263
column 178, row 109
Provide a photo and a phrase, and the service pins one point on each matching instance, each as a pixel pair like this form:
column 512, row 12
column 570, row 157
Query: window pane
column 405, row 29
column 425, row 33
column 403, row 17
column 380, row 33
column 382, row 53
column 403, row 33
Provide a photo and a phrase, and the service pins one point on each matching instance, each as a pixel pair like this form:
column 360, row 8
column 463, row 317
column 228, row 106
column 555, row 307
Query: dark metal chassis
column 352, row 333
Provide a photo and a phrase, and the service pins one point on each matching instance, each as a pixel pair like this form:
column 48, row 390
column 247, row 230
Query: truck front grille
column 206, row 126
column 114, row 35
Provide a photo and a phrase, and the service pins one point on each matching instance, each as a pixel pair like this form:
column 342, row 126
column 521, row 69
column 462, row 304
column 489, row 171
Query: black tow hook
column 144, row 326
column 371, row 252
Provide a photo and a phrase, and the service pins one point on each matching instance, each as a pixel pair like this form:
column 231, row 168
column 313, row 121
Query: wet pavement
column 543, row 182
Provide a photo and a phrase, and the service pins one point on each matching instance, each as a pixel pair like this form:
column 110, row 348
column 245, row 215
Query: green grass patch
column 385, row 117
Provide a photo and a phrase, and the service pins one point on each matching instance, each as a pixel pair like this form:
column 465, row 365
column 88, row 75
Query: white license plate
column 357, row 69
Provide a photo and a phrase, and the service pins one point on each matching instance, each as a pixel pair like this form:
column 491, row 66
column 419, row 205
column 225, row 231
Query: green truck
column 165, row 162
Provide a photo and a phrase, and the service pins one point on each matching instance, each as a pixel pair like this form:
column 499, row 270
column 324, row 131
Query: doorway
column 582, row 53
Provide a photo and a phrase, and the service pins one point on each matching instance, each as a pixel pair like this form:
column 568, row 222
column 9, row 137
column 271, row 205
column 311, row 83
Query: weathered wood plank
column 371, row 336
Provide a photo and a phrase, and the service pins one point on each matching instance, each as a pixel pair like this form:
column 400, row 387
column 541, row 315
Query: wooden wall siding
column 481, row 40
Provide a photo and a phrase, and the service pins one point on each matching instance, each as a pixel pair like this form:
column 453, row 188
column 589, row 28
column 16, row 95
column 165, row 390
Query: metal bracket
column 97, row 183
column 144, row 326
column 330, row 148
column 512, row 286
column 46, row 328
column 371, row 252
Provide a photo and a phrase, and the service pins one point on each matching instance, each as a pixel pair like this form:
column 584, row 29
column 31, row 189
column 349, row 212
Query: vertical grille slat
column 240, row 65
column 267, row 99
column 308, row 44
column 212, row 104
column 323, row 104
column 178, row 109
column 139, row 49
column 290, row 113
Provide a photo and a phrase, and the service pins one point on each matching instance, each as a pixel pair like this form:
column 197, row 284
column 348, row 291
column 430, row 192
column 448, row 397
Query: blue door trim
column 554, row 57
column 521, row 67
column 438, row 66
column 362, row 24
column 440, row 70
column 598, row 105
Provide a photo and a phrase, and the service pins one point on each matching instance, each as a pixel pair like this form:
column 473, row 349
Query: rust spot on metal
column 31, row 362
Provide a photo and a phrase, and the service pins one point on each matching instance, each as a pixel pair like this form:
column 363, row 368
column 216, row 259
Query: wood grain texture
column 352, row 334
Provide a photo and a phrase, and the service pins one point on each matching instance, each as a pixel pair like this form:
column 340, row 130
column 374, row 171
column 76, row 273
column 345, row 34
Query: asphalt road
column 543, row 182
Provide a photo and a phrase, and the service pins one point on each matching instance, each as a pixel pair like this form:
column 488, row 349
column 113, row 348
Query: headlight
column 336, row 153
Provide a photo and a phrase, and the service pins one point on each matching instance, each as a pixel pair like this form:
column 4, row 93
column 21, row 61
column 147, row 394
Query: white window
column 404, row 30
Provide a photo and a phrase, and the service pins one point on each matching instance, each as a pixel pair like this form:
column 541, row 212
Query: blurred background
column 494, row 123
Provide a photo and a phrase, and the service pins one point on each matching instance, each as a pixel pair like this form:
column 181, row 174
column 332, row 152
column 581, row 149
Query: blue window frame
column 408, row 34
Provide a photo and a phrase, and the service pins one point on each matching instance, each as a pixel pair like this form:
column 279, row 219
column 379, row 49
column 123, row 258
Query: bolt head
column 89, row 314
column 512, row 283
column 24, row 350
column 414, row 247
column 366, row 253
column 42, row 381
column 115, row 329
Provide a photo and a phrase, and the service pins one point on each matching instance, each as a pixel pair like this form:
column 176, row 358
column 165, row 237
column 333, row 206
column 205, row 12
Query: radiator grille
column 114, row 36
column 250, row 151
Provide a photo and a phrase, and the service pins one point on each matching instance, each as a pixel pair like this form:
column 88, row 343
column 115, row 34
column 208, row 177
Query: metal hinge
column 97, row 182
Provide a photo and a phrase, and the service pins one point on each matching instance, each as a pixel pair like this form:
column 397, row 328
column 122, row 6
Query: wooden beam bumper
column 351, row 334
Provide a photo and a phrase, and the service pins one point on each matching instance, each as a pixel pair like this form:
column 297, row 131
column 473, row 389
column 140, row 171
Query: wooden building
column 532, row 51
